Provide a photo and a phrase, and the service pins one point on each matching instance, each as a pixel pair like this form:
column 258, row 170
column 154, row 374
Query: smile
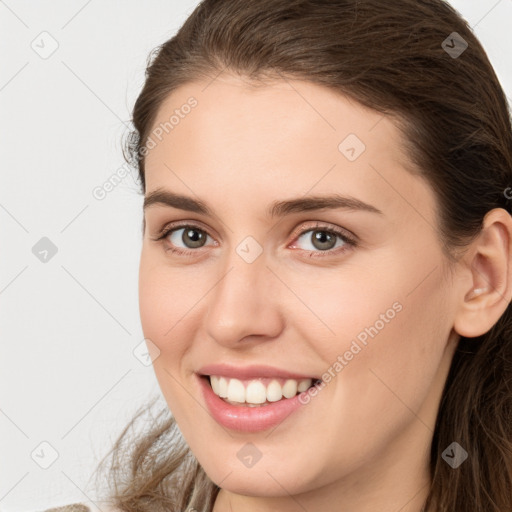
column 257, row 392
column 242, row 414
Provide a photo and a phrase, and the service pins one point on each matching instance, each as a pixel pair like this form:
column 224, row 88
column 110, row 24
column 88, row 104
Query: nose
column 244, row 303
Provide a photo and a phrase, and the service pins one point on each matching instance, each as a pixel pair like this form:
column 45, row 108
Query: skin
column 362, row 444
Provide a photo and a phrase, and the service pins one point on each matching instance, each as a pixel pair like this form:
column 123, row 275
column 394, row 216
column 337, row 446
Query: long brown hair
column 395, row 57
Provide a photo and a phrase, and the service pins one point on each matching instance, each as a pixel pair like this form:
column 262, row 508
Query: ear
column 489, row 265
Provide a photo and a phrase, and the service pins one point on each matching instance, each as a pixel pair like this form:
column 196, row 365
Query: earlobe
column 489, row 263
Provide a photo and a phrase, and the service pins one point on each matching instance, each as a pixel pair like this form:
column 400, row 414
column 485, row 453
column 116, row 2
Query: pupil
column 322, row 238
column 194, row 241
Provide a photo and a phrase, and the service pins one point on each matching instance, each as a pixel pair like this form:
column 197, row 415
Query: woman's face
column 355, row 293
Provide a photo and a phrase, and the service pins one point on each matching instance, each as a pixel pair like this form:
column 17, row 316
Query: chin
column 261, row 480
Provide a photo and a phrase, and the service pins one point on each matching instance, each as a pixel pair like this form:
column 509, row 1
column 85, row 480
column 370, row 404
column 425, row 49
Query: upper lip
column 250, row 372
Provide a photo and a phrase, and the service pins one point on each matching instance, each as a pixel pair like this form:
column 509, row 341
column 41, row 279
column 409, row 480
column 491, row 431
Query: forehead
column 280, row 112
column 285, row 137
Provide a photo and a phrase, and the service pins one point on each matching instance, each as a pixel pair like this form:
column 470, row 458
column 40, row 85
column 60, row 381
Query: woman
column 325, row 276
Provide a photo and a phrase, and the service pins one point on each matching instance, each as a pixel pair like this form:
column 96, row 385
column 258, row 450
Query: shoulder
column 82, row 507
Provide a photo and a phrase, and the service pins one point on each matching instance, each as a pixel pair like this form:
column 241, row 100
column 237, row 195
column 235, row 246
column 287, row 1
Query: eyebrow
column 277, row 208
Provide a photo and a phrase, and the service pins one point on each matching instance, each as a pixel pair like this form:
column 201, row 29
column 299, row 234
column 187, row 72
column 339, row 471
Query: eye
column 324, row 240
column 319, row 240
column 192, row 237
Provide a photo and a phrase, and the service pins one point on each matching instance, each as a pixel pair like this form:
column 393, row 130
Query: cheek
column 166, row 298
column 392, row 323
column 401, row 330
column 345, row 305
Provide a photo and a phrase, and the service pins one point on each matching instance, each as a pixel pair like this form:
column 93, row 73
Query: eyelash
column 349, row 241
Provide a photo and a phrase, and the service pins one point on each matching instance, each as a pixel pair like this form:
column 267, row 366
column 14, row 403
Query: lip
column 243, row 418
column 250, row 372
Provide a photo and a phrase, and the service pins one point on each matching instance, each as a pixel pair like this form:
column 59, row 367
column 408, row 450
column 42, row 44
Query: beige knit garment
column 73, row 507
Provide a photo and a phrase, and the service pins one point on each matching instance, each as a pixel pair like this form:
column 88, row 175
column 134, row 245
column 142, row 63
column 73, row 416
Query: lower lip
column 247, row 419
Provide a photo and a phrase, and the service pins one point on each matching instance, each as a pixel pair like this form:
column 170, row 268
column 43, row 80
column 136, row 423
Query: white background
column 69, row 326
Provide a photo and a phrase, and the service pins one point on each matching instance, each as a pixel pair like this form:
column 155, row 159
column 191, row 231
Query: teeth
column 255, row 392
column 236, row 391
column 303, row 385
column 214, row 382
column 223, row 387
column 290, row 388
column 274, row 391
